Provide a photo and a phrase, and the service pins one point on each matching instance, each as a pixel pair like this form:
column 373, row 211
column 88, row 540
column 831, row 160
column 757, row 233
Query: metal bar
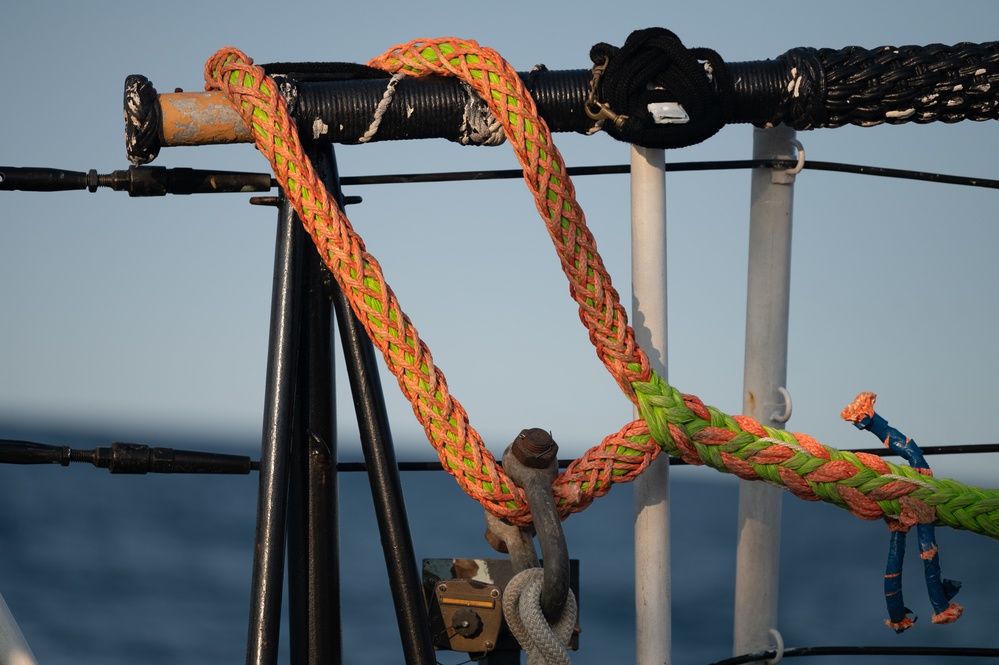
column 282, row 354
column 653, row 634
column 340, row 111
column 386, row 488
column 314, row 612
column 805, row 88
column 200, row 118
column 531, row 462
column 767, row 303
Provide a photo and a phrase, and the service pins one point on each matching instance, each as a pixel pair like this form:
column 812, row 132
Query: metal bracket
column 472, row 585
column 531, row 462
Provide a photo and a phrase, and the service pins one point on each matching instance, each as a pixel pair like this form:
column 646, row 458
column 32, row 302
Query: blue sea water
column 111, row 569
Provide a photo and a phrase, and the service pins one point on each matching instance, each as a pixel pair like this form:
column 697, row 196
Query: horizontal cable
column 970, row 652
column 27, row 452
column 509, row 174
column 674, row 461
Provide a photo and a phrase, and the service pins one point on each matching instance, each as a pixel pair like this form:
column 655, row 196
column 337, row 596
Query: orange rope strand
column 544, row 171
column 444, row 421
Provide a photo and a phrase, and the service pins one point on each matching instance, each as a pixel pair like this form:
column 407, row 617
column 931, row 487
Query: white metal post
column 648, row 305
column 758, row 556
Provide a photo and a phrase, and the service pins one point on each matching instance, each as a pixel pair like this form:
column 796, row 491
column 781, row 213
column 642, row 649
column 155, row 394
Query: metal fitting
column 530, row 461
column 535, row 448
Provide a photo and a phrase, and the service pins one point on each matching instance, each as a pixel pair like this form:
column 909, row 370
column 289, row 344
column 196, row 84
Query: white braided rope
column 544, row 644
column 382, row 107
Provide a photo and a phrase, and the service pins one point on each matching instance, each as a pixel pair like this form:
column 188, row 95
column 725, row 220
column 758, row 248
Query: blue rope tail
column 940, row 590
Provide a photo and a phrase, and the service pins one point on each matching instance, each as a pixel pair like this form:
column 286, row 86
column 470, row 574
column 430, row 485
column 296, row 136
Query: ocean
column 155, row 569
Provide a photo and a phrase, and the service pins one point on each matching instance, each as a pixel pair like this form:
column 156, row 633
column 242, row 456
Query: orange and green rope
column 680, row 425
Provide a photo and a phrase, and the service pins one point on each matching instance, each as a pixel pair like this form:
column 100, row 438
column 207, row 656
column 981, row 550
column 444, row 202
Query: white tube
column 768, row 289
column 13, row 649
column 648, row 279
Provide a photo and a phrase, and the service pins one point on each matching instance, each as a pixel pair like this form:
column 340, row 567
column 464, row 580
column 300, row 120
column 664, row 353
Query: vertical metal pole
column 386, row 488
column 272, row 498
column 768, row 296
column 314, row 617
column 653, row 633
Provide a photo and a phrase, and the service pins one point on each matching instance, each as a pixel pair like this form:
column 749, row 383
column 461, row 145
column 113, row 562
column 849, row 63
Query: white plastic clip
column 785, row 415
column 668, row 113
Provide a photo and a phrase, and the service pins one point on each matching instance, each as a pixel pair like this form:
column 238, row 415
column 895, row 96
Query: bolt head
column 535, row 448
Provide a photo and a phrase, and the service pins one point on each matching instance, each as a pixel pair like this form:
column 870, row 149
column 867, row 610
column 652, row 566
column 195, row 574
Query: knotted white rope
column 544, row 644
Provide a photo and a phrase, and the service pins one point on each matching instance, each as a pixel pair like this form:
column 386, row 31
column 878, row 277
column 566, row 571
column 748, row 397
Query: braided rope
column 678, row 424
column 544, row 643
column 544, row 171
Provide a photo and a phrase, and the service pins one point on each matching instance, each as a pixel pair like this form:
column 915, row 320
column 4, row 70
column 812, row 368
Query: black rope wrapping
column 805, row 88
column 921, row 84
column 324, row 71
column 889, row 85
column 288, row 75
column 805, row 93
column 142, row 120
column 653, row 67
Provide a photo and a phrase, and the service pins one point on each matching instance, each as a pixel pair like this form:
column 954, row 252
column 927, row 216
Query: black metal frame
column 297, row 499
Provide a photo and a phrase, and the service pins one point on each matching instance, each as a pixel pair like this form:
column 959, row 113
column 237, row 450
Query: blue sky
column 142, row 319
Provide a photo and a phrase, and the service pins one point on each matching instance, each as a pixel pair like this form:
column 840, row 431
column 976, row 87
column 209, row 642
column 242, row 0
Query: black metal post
column 313, row 523
column 282, row 358
column 386, row 488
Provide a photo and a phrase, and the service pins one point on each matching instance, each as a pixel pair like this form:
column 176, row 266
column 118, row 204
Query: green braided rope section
column 843, row 479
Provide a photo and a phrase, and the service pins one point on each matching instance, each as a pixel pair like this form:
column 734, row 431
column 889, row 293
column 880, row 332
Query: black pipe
column 804, row 88
column 434, row 107
column 386, row 488
column 137, row 180
column 272, row 499
column 314, row 611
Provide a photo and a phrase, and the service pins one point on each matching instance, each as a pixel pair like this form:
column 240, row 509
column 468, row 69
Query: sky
column 146, row 319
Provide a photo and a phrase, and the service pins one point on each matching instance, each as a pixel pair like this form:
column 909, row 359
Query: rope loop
column 671, row 422
column 653, row 68
column 544, row 643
